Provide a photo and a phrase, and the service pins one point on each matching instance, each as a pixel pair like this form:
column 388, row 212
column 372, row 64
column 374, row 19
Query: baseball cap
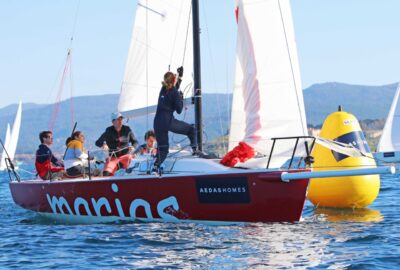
column 116, row 115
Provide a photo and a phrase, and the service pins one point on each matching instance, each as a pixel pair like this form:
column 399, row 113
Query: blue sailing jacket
column 169, row 101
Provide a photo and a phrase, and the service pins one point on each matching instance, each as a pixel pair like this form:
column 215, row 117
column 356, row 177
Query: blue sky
column 350, row 41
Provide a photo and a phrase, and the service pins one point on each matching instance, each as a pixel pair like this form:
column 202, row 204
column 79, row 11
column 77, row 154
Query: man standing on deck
column 116, row 141
column 47, row 165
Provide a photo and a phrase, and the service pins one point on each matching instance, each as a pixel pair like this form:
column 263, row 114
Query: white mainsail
column 267, row 98
column 161, row 39
column 11, row 145
column 4, row 154
column 390, row 139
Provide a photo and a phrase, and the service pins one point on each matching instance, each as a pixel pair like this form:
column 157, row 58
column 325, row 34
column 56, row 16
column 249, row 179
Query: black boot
column 155, row 170
column 201, row 154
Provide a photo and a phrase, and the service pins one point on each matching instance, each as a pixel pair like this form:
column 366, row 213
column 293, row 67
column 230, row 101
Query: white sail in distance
column 161, row 40
column 4, row 154
column 14, row 135
column 390, row 139
column 267, row 97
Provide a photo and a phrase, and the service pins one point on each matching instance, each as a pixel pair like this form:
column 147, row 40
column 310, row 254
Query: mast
column 197, row 74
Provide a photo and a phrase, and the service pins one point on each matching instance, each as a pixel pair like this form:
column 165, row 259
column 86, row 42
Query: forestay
column 161, row 39
column 390, row 139
column 267, row 99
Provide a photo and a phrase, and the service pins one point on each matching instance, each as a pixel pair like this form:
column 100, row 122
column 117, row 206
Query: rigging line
column 26, row 171
column 50, row 96
column 179, row 140
column 214, row 80
column 67, row 68
column 56, row 107
column 147, row 8
column 75, row 22
column 291, row 67
column 71, row 102
column 187, row 33
column 70, row 68
column 147, row 64
column 176, row 33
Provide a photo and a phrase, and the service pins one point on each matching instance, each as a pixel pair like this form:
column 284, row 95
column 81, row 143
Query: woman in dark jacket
column 169, row 101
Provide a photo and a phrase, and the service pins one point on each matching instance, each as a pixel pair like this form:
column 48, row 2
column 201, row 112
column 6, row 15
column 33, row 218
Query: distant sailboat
column 6, row 143
column 388, row 149
column 11, row 139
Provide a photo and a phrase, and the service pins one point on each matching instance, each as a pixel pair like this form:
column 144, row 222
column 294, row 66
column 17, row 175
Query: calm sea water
column 364, row 239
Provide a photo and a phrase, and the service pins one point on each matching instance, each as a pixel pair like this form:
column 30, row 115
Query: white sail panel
column 267, row 99
column 6, row 143
column 11, row 145
column 161, row 39
column 390, row 139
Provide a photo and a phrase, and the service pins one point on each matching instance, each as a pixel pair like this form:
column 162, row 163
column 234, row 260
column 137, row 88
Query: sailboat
column 388, row 149
column 11, row 139
column 193, row 189
column 6, row 143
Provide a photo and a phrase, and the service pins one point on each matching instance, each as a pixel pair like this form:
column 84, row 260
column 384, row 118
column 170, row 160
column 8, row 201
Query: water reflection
column 310, row 243
column 348, row 215
column 255, row 246
column 291, row 245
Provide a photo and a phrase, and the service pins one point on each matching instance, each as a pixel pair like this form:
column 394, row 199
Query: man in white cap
column 115, row 140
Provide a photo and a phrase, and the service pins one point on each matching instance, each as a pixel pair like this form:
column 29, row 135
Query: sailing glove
column 180, row 71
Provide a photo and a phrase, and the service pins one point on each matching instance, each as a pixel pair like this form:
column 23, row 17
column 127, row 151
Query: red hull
column 242, row 197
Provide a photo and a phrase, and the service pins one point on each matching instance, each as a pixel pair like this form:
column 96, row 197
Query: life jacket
column 44, row 169
column 146, row 151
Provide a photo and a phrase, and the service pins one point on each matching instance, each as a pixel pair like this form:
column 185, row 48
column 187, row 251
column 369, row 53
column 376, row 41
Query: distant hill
column 93, row 113
column 365, row 102
column 12, row 109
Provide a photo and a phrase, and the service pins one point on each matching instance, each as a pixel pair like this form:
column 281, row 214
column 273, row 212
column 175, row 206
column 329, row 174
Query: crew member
column 47, row 165
column 169, row 101
column 76, row 161
column 150, row 146
column 115, row 140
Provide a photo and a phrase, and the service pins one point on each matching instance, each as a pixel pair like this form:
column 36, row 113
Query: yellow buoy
column 343, row 192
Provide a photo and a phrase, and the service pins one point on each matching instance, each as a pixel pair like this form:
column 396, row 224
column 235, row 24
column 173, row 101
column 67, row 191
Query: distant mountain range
column 365, row 102
column 93, row 116
column 93, row 113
